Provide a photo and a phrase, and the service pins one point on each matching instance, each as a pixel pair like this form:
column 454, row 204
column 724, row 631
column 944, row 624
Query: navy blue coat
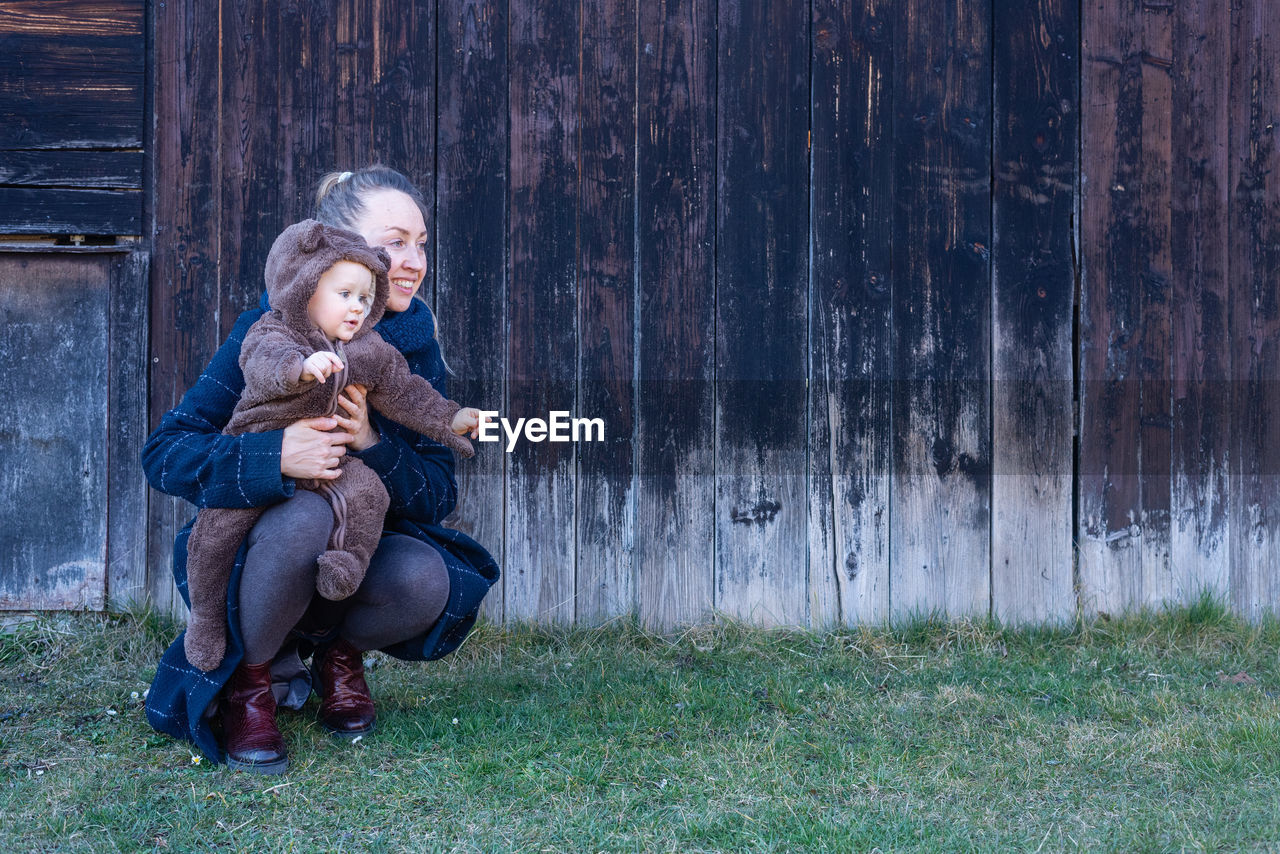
column 188, row 456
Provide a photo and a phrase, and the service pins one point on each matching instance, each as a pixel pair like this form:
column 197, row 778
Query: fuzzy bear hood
column 301, row 255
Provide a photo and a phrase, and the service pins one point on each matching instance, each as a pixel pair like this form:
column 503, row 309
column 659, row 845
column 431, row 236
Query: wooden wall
column 1180, row 320
column 72, row 92
column 73, row 298
column 889, row 307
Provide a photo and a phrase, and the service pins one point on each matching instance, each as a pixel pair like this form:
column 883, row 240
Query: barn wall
column 72, row 93
column 73, row 281
column 889, row 307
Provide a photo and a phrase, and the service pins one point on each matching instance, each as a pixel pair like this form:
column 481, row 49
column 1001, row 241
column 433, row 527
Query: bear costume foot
column 340, row 573
column 204, row 643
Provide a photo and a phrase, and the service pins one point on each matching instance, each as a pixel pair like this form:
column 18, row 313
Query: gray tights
column 403, row 593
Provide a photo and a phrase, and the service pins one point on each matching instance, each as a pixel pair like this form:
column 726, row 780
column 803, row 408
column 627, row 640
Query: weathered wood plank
column 185, row 233
column 307, row 87
column 27, row 210
column 675, row 406
column 355, row 43
column 1033, row 293
column 762, row 312
column 103, row 170
column 71, row 74
column 941, row 513
column 471, row 230
column 55, row 444
column 402, row 95
column 1254, row 186
column 1155, row 361
column 1125, row 452
column 126, row 431
column 1201, row 343
column 252, row 210
column 850, row 319
column 122, row 18
column 606, row 308
column 541, row 342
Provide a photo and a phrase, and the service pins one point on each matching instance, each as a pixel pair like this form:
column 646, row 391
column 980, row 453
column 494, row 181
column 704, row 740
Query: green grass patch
column 1146, row 733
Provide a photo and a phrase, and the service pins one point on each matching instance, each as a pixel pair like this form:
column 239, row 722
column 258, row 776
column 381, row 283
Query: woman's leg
column 279, row 576
column 275, row 587
column 403, row 594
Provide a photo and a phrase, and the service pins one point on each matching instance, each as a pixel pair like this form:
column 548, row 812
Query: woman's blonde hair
column 340, row 201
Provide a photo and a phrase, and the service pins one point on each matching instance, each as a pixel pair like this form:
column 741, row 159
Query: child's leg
column 339, row 573
column 211, row 553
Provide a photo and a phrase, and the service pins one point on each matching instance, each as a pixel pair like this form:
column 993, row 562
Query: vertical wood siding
column 761, row 316
column 71, row 487
column 851, row 311
column 605, row 495
column 674, row 536
column 471, row 237
column 1253, row 181
column 889, row 308
column 1033, row 293
column 941, row 505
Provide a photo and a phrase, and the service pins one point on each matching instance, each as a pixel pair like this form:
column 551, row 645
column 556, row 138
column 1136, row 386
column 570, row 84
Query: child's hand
column 467, row 420
column 319, row 365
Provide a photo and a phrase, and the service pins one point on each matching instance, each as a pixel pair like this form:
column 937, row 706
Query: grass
column 1147, row 733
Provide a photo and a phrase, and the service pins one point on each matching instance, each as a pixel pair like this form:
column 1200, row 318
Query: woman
column 424, row 585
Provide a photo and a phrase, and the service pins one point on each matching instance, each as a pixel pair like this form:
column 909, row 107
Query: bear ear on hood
column 312, row 238
column 384, row 256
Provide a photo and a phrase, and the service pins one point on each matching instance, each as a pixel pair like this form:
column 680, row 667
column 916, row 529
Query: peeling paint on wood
column 1254, row 257
column 800, row 301
column 675, row 312
column 851, row 312
column 762, row 311
column 940, row 511
column 54, row 484
column 1126, row 391
column 1033, row 293
column 471, row 261
column 1201, row 344
column 606, row 308
column 541, row 338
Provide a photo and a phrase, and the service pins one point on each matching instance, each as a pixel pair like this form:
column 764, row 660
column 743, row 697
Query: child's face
column 342, row 300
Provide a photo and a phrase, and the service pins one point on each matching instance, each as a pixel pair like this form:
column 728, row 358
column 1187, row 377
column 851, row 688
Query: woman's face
column 391, row 220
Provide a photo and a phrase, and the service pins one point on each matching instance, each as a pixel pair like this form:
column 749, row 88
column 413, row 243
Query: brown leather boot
column 250, row 737
column 346, row 708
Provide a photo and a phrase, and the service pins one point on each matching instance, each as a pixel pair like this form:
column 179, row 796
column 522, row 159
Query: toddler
column 327, row 289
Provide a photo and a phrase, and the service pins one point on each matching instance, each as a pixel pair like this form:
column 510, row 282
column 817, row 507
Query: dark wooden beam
column 32, row 211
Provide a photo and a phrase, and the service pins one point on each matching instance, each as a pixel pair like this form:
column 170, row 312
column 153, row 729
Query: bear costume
column 275, row 396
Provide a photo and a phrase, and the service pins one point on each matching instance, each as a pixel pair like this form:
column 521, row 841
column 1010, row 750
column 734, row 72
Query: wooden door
column 73, row 376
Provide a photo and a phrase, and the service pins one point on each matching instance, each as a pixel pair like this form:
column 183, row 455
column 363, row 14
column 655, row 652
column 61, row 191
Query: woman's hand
column 310, row 451
column 355, row 421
